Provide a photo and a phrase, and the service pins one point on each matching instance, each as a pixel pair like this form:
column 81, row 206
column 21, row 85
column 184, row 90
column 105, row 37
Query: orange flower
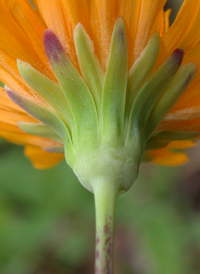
column 21, row 37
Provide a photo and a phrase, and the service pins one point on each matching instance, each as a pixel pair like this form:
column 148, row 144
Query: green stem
column 105, row 194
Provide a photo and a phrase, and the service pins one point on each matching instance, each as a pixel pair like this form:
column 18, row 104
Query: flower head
column 112, row 72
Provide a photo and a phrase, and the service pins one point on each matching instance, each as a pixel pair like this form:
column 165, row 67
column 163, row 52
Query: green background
column 47, row 222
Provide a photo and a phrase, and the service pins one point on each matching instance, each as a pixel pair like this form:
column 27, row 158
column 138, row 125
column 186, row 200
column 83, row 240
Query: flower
column 21, row 38
column 105, row 86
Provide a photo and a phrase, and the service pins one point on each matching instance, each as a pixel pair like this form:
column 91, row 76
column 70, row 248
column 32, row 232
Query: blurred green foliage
column 41, row 212
column 47, row 222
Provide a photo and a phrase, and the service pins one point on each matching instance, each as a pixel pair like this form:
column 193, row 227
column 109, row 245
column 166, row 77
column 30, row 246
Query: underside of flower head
column 116, row 77
column 104, row 122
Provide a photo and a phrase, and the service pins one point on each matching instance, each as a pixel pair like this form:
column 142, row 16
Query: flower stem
column 105, row 194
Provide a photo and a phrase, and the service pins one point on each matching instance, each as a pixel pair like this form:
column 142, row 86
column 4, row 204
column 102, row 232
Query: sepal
column 142, row 69
column 48, row 118
column 114, row 88
column 148, row 96
column 78, row 95
column 47, row 89
column 39, row 130
column 55, row 149
column 156, row 144
column 89, row 64
column 170, row 96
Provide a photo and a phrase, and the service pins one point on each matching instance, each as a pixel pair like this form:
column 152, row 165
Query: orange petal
column 182, row 122
column 75, row 14
column 142, row 19
column 55, row 17
column 10, row 76
column 193, row 55
column 159, row 24
column 7, row 104
column 148, row 14
column 27, row 19
column 167, row 157
column 179, row 30
column 130, row 11
column 13, row 117
column 189, row 102
column 102, row 18
column 167, row 14
column 13, row 40
column 181, row 144
column 134, row 13
column 14, row 135
column 42, row 159
column 10, row 115
column 193, row 35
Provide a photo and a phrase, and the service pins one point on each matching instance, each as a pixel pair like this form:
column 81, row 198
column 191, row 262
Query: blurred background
column 47, row 222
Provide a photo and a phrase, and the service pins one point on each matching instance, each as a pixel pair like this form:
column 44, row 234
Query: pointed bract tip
column 120, row 29
column 52, row 45
column 15, row 97
column 48, row 34
column 178, row 55
column 120, row 24
column 192, row 67
column 21, row 124
column 22, row 67
column 8, row 90
column 12, row 94
column 54, row 149
column 47, row 149
column 78, row 27
column 21, row 63
column 155, row 37
column 120, row 21
column 79, row 31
